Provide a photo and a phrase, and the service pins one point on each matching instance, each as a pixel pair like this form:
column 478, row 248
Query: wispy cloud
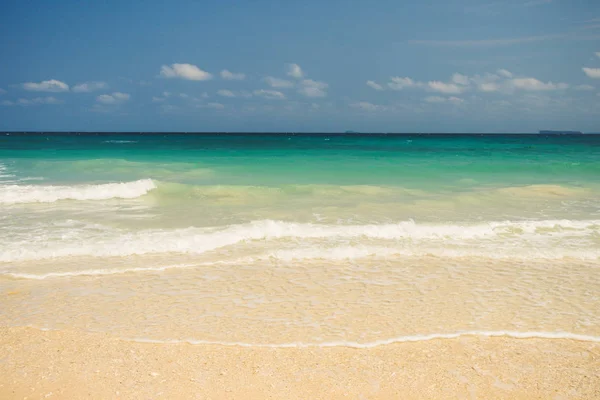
column 269, row 94
column 51, row 85
column 366, row 106
column 501, row 81
column 226, row 93
column 505, row 73
column 214, row 106
column 487, row 42
column 32, row 102
column 295, row 71
column 230, row 93
column 439, row 99
column 89, row 87
column 592, row 72
column 585, row 88
column 400, row 83
column 184, row 71
column 114, row 98
column 532, row 84
column 505, row 41
column 279, row 83
column 446, row 88
column 2, row 91
column 310, row 88
column 374, row 85
column 225, row 74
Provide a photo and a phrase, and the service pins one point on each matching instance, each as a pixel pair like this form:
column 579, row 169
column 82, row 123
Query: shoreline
column 73, row 365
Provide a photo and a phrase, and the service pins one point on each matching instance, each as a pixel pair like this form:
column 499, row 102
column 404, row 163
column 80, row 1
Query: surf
column 495, row 239
column 21, row 194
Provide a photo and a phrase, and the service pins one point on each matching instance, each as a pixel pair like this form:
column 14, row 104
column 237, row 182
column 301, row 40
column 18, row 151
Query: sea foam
column 411, row 238
column 18, row 194
column 383, row 342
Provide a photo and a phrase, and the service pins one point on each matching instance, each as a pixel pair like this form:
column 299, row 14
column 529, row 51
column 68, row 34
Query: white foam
column 383, row 342
column 358, row 252
column 412, row 238
column 4, row 172
column 93, row 272
column 17, row 194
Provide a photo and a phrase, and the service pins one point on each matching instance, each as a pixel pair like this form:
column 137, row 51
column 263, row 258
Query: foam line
column 92, row 272
column 399, row 339
column 18, row 194
column 104, row 241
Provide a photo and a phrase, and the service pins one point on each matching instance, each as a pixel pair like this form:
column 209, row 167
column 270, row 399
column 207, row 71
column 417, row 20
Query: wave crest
column 502, row 239
column 19, row 194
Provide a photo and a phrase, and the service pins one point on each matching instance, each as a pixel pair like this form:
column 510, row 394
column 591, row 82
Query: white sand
column 74, row 365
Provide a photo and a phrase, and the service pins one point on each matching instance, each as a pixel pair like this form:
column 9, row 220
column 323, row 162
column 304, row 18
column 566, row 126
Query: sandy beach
column 75, row 365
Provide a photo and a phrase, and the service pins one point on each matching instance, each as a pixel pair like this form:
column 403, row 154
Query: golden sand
column 75, row 365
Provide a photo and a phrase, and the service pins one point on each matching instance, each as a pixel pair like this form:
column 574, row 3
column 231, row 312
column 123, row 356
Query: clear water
column 278, row 238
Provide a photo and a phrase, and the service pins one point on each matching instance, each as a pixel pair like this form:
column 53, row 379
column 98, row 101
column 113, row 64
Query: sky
column 314, row 66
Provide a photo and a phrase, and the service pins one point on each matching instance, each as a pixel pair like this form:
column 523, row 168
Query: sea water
column 288, row 239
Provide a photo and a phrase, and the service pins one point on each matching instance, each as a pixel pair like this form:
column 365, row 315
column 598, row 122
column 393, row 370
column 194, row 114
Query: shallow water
column 275, row 239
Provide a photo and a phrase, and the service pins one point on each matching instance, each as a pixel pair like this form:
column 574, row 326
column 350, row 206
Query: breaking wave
column 18, row 194
column 540, row 239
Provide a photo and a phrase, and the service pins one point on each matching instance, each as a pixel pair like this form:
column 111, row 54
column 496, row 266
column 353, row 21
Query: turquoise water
column 206, row 224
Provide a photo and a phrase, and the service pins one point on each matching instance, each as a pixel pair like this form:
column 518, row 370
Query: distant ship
column 561, row 133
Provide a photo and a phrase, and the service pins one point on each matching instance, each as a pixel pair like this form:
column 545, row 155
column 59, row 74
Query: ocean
column 301, row 240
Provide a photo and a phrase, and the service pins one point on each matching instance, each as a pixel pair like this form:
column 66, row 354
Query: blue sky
column 263, row 65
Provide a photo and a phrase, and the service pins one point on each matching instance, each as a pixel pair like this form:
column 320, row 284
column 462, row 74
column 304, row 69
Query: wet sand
column 38, row 364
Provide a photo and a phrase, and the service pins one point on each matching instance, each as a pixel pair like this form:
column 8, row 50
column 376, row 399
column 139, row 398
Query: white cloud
column 229, row 93
column 460, row 79
column 399, row 83
column 89, row 87
column 295, row 71
column 312, row 88
column 488, row 87
column 169, row 108
column 279, row 83
column 532, row 84
column 216, row 106
column 38, row 100
column 51, row 85
column 598, row 54
column 184, row 71
column 2, row 91
column 158, row 99
column 374, row 85
column 269, row 94
column 435, row 99
column 232, row 76
column 584, row 87
column 114, row 98
column 455, row 100
column 592, row 72
column 439, row 99
column 446, row 88
column 505, row 73
column 226, row 93
column 7, row 103
column 363, row 105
